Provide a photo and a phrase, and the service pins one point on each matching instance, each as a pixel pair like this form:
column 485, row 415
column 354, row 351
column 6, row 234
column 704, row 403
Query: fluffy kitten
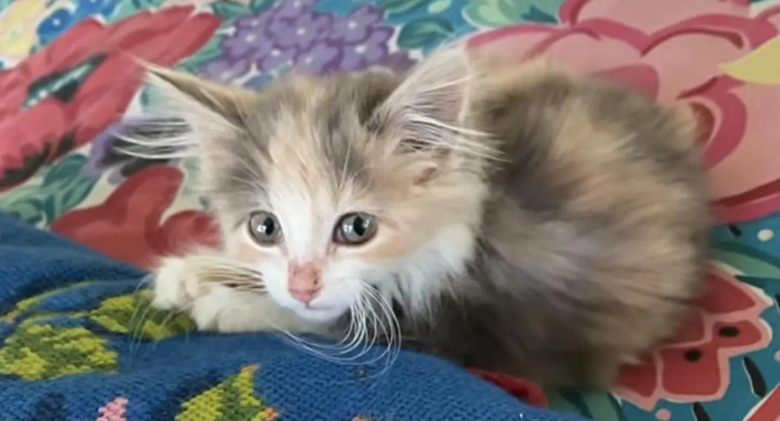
column 516, row 217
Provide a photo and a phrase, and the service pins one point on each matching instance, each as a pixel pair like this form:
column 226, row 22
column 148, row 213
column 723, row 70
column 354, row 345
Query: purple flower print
column 279, row 28
column 250, row 38
column 358, row 25
column 364, row 54
column 303, row 32
column 101, row 155
column 291, row 9
column 254, row 22
column 275, row 58
column 240, row 46
column 261, row 49
column 397, row 61
column 224, row 71
column 294, row 34
column 320, row 60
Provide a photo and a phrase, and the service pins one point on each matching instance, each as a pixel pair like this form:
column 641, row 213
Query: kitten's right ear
column 432, row 102
column 211, row 110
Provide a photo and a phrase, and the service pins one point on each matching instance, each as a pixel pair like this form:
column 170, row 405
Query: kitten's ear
column 431, row 105
column 212, row 111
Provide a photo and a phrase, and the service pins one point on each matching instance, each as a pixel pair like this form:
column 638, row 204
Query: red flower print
column 65, row 95
column 525, row 391
column 128, row 226
column 695, row 366
column 641, row 44
column 768, row 409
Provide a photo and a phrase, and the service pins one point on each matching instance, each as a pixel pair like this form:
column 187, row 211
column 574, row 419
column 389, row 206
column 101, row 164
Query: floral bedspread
column 67, row 80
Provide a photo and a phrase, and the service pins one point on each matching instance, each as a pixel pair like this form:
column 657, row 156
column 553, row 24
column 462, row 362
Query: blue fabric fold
column 75, row 346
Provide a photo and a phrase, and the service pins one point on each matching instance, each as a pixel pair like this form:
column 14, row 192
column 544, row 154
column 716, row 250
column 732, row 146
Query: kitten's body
column 569, row 240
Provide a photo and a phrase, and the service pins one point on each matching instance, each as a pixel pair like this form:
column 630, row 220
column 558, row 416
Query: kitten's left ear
column 431, row 106
column 210, row 109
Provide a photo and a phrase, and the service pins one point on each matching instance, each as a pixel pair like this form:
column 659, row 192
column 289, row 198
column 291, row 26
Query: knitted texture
column 80, row 343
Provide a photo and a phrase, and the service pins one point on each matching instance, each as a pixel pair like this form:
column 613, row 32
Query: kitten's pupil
column 267, row 227
column 359, row 226
column 354, row 229
column 264, row 228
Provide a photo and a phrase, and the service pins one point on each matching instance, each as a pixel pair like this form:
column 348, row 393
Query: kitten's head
column 334, row 187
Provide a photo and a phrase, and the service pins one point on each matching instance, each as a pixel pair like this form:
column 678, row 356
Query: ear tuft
column 189, row 115
column 432, row 107
column 436, row 92
column 194, row 98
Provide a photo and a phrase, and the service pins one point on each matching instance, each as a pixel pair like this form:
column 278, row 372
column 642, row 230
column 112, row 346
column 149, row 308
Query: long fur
column 530, row 221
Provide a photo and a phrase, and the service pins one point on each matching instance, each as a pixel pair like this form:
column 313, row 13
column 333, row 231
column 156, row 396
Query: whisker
column 136, row 298
column 151, row 155
column 371, row 319
column 391, row 328
column 136, row 334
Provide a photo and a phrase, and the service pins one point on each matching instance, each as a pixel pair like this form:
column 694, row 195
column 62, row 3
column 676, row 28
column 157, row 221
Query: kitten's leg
column 179, row 285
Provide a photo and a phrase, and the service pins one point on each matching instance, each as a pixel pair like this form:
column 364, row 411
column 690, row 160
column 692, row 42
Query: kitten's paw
column 173, row 288
column 179, row 286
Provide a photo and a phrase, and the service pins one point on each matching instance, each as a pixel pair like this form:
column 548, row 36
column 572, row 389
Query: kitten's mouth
column 320, row 314
column 318, row 308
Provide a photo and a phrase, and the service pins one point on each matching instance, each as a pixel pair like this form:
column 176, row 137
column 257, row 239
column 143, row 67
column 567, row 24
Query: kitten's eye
column 354, row 229
column 265, row 228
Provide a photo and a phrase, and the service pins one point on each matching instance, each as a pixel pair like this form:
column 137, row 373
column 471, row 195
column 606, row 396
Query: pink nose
column 304, row 282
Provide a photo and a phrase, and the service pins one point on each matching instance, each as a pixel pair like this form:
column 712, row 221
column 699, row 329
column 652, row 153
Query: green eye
column 355, row 229
column 265, row 228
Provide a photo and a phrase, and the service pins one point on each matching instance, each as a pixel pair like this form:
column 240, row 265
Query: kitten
column 515, row 217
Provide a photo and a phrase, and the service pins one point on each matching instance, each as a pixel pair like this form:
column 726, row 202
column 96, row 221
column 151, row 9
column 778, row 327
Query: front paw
column 182, row 284
column 179, row 286
column 171, row 289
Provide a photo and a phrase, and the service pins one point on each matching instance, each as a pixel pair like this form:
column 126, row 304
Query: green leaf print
column 60, row 189
column 259, row 6
column 228, row 9
column 425, row 32
column 29, row 305
column 205, row 55
column 39, row 350
column 748, row 259
column 42, row 352
column 439, row 6
column 498, row 13
column 233, row 399
column 133, row 315
column 129, row 8
column 395, row 8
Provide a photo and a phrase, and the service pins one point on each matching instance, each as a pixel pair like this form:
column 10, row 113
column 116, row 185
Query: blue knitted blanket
column 79, row 342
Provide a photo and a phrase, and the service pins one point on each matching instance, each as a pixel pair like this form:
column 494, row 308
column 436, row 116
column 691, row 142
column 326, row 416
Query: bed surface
column 67, row 80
